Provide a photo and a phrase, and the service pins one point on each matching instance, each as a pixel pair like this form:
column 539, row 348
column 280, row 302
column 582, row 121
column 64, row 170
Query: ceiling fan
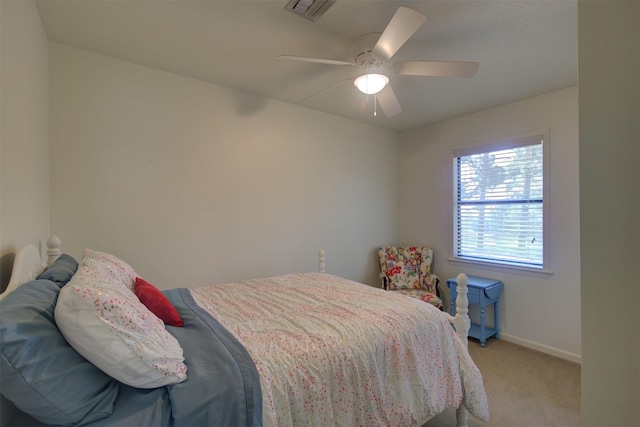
column 372, row 52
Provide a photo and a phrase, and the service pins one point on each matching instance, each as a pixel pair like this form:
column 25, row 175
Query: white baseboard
column 542, row 348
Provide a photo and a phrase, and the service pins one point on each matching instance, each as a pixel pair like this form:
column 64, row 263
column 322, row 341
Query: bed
column 82, row 344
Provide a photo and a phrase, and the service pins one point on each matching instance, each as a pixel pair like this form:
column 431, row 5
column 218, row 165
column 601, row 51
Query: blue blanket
column 222, row 386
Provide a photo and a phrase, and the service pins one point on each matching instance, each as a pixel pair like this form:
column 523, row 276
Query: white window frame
column 494, row 145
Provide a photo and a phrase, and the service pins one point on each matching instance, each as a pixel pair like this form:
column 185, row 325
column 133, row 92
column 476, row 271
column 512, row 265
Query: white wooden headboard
column 28, row 264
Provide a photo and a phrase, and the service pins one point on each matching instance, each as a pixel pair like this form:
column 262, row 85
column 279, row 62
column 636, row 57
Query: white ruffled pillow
column 111, row 266
column 108, row 325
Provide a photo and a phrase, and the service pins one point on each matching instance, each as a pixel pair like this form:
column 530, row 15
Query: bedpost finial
column 53, row 251
column 462, row 280
column 53, row 242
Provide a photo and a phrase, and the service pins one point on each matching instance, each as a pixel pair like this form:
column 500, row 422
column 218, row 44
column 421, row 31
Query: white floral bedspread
column 335, row 352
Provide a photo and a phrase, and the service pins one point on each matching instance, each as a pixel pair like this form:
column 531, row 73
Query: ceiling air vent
column 309, row 9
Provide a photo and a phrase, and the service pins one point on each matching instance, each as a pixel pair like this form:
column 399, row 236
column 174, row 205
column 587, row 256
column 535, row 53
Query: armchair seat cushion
column 422, row 295
column 407, row 270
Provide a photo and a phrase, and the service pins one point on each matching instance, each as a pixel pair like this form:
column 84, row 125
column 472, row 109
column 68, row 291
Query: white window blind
column 498, row 202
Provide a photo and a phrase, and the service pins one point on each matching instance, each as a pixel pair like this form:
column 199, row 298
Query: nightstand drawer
column 474, row 295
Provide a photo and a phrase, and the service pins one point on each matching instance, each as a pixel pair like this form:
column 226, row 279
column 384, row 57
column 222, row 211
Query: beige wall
column 24, row 139
column 194, row 183
column 539, row 312
column 609, row 70
column 608, row 111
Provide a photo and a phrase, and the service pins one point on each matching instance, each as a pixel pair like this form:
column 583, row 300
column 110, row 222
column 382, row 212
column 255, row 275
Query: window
column 499, row 201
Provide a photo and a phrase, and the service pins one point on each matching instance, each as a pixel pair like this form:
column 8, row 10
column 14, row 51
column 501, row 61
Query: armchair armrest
column 385, row 281
column 430, row 282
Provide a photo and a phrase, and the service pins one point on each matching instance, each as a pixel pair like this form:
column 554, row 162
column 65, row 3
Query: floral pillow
column 107, row 324
column 110, row 265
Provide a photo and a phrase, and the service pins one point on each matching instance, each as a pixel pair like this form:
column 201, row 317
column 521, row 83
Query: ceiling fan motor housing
column 362, row 50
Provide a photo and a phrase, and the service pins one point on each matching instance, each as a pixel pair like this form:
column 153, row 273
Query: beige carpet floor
column 524, row 388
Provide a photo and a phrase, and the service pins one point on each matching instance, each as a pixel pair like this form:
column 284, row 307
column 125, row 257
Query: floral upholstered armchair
column 408, row 270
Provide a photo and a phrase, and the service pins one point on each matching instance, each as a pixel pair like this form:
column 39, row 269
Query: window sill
column 523, row 271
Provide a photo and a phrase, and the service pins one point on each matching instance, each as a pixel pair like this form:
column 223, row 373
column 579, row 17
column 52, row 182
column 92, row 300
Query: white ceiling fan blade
column 326, row 89
column 437, row 68
column 316, row 60
column 389, row 102
column 402, row 26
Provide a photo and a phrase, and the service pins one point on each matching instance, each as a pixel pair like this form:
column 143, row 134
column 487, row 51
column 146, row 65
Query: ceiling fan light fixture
column 371, row 83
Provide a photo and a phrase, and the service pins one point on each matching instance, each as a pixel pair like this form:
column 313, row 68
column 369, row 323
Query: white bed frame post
column 461, row 320
column 53, row 251
column 321, row 265
column 462, row 323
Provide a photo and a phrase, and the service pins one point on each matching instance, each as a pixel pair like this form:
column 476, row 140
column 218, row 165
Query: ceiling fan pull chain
column 375, row 102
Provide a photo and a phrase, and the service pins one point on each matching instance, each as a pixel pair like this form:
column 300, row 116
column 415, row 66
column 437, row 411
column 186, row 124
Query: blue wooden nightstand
column 482, row 292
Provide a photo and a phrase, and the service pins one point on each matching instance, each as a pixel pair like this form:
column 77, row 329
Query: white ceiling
column 525, row 48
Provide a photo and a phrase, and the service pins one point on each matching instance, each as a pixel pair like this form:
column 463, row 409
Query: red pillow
column 157, row 302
